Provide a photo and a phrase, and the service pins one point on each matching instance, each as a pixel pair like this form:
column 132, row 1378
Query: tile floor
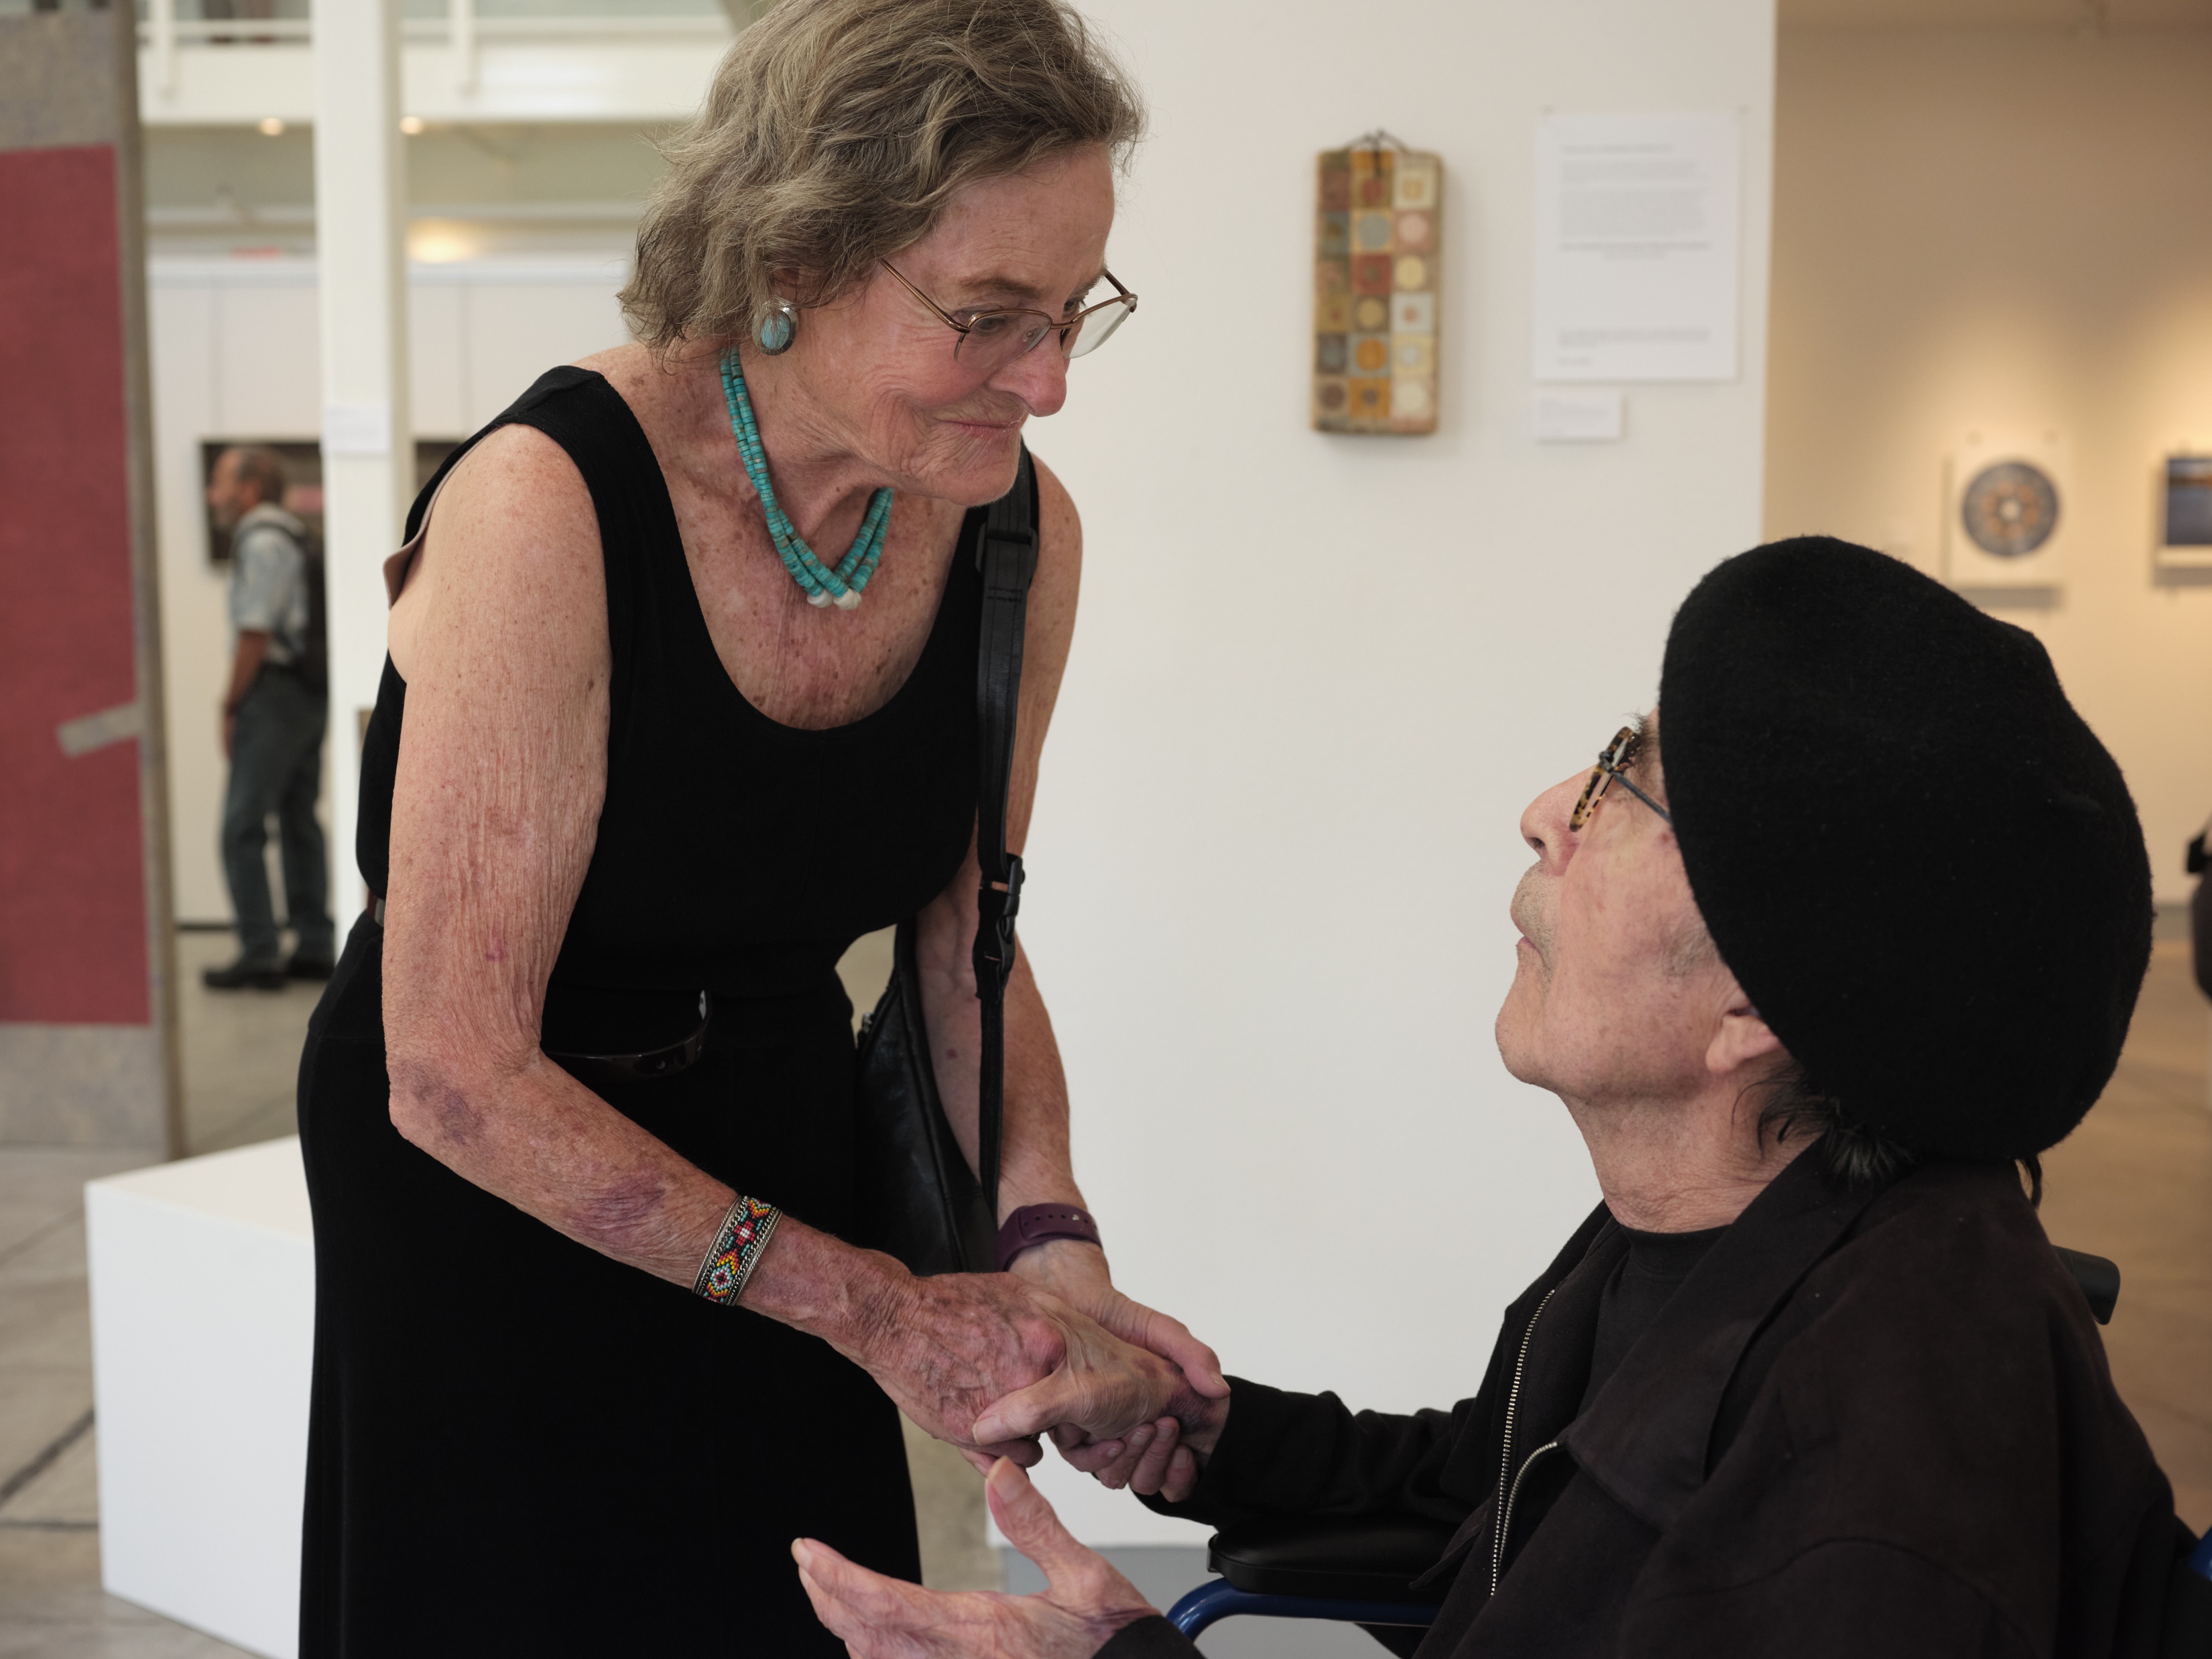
column 2135, row 1183
column 51, row 1602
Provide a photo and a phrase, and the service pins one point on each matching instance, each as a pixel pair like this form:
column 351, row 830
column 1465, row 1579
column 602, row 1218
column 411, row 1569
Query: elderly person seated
column 1811, row 1380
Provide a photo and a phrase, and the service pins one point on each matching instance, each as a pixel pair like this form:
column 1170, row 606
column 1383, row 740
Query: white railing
column 162, row 33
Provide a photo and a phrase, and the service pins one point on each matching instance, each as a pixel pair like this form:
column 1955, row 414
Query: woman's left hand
column 1083, row 1603
column 1076, row 1272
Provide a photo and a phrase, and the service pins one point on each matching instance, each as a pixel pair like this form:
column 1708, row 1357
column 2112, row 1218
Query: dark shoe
column 309, row 968
column 241, row 974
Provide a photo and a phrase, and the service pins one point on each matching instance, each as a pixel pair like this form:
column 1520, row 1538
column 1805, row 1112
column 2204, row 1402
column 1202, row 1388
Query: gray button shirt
column 269, row 580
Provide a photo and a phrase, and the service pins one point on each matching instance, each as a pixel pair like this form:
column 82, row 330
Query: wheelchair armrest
column 1354, row 1560
column 2099, row 1278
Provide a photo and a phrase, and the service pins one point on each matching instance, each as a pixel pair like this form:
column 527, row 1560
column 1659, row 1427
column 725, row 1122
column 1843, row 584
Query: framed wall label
column 1378, row 249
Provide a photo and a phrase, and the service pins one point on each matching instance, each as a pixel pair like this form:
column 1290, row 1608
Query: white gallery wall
column 235, row 356
column 1917, row 302
column 1316, row 678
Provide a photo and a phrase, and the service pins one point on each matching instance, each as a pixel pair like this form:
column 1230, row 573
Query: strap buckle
column 995, row 911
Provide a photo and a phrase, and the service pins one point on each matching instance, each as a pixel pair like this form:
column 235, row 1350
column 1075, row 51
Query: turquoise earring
column 778, row 324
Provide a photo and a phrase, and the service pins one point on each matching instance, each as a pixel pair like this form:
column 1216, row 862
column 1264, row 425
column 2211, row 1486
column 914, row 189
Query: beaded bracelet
column 746, row 1228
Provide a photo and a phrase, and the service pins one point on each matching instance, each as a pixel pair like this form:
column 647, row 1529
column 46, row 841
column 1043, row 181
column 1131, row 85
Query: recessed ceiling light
column 410, row 125
column 271, row 125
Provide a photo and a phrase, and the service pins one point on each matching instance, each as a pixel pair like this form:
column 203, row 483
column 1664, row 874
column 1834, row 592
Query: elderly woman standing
column 623, row 753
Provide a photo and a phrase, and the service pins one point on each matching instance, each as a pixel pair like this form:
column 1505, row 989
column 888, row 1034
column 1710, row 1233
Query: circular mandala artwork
column 2010, row 509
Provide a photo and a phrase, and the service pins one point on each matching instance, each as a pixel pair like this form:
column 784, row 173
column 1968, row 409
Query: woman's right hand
column 947, row 1348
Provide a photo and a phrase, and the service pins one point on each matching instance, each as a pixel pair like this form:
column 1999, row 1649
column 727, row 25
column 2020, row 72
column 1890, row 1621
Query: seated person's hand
column 1160, row 1459
column 1083, row 1603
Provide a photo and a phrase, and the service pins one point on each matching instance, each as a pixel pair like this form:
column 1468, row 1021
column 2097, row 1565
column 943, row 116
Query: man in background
column 274, row 712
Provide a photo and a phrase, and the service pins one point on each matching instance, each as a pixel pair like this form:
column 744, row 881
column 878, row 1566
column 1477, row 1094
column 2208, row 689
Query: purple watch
column 1033, row 1224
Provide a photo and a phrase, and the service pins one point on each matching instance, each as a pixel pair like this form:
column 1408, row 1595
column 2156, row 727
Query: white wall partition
column 1316, row 677
column 367, row 426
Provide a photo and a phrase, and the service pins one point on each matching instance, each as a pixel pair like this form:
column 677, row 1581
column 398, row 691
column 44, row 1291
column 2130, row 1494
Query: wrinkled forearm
column 1034, row 1167
column 537, row 1137
column 532, row 1134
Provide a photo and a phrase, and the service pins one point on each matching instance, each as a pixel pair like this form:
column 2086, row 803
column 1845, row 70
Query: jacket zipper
column 1519, row 1474
column 1504, row 1504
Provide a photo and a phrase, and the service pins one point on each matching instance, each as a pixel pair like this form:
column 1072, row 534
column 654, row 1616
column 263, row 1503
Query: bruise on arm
column 501, row 637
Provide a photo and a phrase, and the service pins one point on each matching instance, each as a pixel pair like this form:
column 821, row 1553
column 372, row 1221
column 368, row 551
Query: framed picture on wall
column 303, row 478
column 2006, row 522
column 2189, row 500
column 2181, row 513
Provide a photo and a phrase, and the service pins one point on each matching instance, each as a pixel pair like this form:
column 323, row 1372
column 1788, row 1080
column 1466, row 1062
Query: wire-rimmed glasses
column 994, row 336
column 1613, row 762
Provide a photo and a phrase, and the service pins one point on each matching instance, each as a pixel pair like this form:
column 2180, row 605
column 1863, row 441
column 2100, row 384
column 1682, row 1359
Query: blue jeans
column 276, row 766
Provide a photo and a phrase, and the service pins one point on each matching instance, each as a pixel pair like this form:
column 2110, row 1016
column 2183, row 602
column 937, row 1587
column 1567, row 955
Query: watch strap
column 1033, row 1224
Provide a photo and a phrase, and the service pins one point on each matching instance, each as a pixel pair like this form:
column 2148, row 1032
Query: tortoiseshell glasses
column 1613, row 762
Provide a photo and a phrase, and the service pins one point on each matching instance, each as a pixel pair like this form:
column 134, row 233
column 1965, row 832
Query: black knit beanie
column 1922, row 866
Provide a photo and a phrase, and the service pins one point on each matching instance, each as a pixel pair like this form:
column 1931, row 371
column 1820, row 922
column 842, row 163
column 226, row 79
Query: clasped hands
column 990, row 1363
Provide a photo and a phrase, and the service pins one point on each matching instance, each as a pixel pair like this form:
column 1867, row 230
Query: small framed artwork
column 2007, row 519
column 1378, row 253
column 2181, row 514
column 2188, row 504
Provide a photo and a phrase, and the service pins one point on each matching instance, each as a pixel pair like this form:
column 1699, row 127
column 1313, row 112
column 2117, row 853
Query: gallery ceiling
column 2087, row 16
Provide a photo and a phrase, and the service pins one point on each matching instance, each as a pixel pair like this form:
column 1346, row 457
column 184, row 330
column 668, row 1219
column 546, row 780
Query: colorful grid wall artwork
column 1378, row 246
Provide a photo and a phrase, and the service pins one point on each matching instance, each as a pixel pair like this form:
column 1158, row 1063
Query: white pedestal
column 203, row 1327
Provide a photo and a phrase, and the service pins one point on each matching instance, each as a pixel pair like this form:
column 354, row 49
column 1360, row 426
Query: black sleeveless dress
column 518, row 1445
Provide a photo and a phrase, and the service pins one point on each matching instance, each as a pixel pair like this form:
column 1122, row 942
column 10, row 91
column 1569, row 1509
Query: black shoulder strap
column 1008, row 556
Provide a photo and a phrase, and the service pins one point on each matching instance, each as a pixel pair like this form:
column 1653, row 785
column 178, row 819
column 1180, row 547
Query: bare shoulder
column 511, row 552
column 1059, row 526
column 644, row 380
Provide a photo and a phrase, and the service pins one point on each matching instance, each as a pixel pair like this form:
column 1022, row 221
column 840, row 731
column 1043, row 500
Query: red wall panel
column 72, row 894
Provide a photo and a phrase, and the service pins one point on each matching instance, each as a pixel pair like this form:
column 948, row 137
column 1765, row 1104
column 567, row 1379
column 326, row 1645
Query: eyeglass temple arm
column 1621, row 778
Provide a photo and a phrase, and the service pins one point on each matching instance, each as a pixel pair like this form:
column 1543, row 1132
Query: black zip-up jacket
column 1875, row 1422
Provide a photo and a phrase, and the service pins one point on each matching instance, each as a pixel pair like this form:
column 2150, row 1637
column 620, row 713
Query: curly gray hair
column 835, row 134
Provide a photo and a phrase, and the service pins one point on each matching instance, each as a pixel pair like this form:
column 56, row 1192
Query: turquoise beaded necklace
column 841, row 586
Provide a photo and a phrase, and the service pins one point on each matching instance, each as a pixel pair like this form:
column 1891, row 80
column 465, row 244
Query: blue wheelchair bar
column 1348, row 1571
column 1222, row 1600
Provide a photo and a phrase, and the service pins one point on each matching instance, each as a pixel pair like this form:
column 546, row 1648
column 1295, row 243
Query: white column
column 368, row 471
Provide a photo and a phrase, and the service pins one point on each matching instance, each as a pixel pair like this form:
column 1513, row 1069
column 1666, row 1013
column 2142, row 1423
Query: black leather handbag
column 917, row 1199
